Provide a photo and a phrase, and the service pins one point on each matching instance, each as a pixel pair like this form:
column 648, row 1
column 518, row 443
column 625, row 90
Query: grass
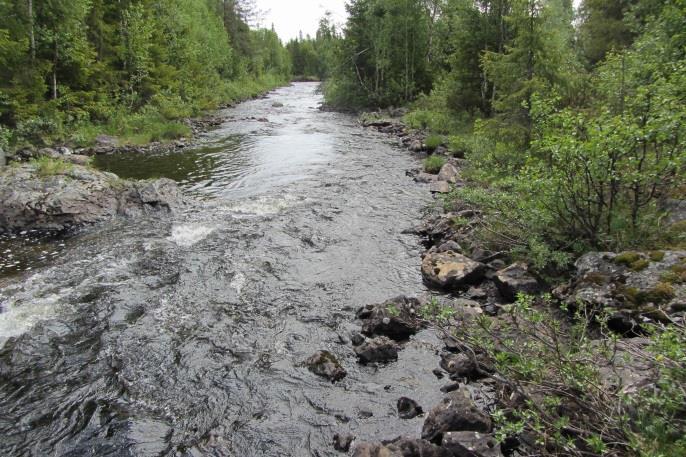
column 47, row 166
column 433, row 142
column 433, row 164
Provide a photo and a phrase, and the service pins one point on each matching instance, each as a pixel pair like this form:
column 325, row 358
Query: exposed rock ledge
column 76, row 196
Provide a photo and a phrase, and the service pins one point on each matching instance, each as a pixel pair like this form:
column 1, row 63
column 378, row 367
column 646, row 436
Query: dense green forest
column 131, row 68
column 572, row 121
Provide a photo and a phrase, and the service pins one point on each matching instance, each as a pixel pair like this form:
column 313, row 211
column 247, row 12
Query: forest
column 72, row 69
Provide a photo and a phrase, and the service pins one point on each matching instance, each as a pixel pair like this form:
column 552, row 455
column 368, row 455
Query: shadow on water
column 185, row 335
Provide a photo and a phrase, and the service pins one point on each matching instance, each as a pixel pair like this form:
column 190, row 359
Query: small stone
column 325, row 364
column 452, row 387
column 454, row 414
column 357, row 339
column 408, row 408
column 342, row 442
column 438, row 373
column 379, row 349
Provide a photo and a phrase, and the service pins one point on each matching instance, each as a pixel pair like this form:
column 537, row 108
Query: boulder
column 450, row 270
column 342, row 442
column 106, row 140
column 395, row 318
column 277, row 105
column 515, row 279
column 401, row 447
column 408, row 408
column 456, row 413
column 380, row 349
column 471, row 444
column 77, row 159
column 630, row 286
column 326, row 365
column 72, row 196
column 449, row 173
column 440, row 187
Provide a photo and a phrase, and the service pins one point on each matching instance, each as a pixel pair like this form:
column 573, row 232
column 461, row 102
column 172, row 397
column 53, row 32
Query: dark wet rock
column 408, row 408
column 459, row 365
column 449, row 270
column 277, row 105
column 75, row 197
column 452, row 387
column 380, row 349
column 440, row 187
column 356, row 339
column 342, row 442
column 516, row 279
column 631, row 286
column 326, row 365
column 497, row 264
column 395, row 318
column 448, row 173
column 401, row 447
column 438, row 373
column 455, row 413
column 471, row 444
column 476, row 293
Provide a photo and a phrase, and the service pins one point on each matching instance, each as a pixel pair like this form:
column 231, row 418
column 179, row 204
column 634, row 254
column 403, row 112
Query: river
column 184, row 335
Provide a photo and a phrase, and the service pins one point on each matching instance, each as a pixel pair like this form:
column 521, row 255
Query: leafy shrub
column 433, row 164
column 433, row 142
column 37, row 131
column 556, row 381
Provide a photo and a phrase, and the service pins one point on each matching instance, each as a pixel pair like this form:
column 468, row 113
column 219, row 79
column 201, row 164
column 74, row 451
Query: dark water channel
column 185, row 335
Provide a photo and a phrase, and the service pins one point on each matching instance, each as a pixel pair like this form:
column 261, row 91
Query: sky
column 292, row 16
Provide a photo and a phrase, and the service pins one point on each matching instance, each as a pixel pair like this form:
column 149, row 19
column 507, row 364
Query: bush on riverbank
column 563, row 386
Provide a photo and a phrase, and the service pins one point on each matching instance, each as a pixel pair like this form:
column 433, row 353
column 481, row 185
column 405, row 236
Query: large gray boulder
column 69, row 196
column 516, row 279
column 631, row 286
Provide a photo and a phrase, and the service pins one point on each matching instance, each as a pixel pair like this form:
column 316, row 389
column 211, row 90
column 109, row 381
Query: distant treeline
column 71, row 68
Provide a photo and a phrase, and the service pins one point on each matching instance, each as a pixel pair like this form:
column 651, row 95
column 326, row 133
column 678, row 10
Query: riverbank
column 507, row 334
column 166, row 125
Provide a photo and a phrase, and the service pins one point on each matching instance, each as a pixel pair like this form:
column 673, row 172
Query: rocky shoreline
column 633, row 288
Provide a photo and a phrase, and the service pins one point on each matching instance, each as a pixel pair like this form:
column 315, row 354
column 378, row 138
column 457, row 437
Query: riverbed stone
column 408, row 408
column 76, row 196
column 471, row 444
column 450, row 270
column 455, row 413
column 516, row 279
column 401, row 447
column 342, row 442
column 425, row 178
column 395, row 318
column 458, row 365
column 378, row 350
column 326, row 365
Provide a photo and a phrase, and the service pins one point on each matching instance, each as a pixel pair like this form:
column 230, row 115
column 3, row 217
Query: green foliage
column 435, row 312
column 557, row 382
column 432, row 142
column 48, row 166
column 433, row 164
column 84, row 65
column 381, row 61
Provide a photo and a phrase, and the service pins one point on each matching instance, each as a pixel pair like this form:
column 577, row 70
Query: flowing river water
column 184, row 335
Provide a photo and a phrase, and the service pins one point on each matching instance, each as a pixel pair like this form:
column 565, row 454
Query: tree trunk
column 54, row 71
column 32, row 37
